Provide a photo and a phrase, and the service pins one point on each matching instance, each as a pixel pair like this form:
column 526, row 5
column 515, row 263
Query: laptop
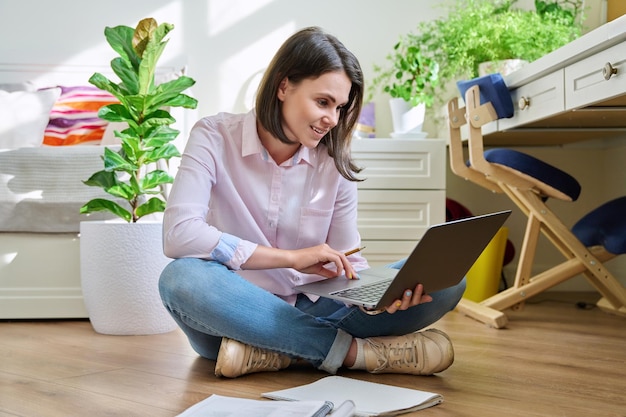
column 440, row 260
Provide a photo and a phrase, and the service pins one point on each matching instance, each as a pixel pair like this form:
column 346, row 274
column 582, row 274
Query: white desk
column 570, row 94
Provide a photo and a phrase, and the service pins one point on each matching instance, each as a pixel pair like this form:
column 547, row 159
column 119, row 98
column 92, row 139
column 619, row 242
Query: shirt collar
column 251, row 143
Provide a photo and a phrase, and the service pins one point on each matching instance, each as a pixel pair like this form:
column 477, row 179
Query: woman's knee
column 180, row 277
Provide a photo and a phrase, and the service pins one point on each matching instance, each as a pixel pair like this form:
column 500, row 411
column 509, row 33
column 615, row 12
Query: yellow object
column 483, row 278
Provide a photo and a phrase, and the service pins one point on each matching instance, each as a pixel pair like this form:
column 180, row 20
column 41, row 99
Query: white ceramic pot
column 120, row 265
column 405, row 118
column 504, row 67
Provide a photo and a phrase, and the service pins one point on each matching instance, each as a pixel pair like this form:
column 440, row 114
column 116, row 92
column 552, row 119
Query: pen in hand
column 350, row 252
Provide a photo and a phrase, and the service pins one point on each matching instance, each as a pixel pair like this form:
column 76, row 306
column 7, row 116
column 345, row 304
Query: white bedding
column 41, row 189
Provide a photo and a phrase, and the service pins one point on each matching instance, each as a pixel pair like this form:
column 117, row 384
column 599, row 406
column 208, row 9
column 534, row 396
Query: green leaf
column 165, row 152
column 155, row 178
column 151, row 54
column 167, row 94
column 127, row 75
column 159, row 136
column 116, row 162
column 115, row 113
column 131, row 151
column 100, row 204
column 157, row 118
column 182, row 100
column 121, row 40
column 122, row 190
column 103, row 179
column 154, row 205
column 105, row 84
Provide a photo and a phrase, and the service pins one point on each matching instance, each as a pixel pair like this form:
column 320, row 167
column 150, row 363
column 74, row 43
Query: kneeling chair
column 529, row 182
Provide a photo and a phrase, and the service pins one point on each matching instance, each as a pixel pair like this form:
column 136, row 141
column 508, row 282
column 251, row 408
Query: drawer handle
column 608, row 71
column 523, row 103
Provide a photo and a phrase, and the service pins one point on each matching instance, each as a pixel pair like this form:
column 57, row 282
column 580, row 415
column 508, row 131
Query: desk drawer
column 536, row 100
column 401, row 163
column 585, row 83
column 399, row 214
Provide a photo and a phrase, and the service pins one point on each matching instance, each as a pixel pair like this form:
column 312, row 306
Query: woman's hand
column 314, row 260
column 409, row 299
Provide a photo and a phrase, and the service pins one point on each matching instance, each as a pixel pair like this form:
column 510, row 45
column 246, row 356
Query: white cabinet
column 403, row 193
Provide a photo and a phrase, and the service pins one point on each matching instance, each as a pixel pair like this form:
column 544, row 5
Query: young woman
column 267, row 200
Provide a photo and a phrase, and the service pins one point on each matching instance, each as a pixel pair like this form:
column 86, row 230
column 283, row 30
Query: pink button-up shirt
column 230, row 196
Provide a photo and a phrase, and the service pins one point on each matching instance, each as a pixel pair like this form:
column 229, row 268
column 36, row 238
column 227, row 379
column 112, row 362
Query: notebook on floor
column 440, row 260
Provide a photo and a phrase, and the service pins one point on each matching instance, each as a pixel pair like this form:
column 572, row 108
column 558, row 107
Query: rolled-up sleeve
column 232, row 251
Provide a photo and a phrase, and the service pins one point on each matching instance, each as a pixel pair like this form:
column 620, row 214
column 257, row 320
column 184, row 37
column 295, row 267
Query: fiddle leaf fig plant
column 129, row 172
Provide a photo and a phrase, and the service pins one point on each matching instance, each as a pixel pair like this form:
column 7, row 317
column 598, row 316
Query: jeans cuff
column 337, row 353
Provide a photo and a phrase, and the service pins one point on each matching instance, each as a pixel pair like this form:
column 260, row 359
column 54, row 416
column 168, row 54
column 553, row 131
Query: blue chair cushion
column 542, row 172
column 493, row 89
column 605, row 226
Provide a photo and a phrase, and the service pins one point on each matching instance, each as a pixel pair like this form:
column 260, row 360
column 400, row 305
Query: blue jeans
column 209, row 301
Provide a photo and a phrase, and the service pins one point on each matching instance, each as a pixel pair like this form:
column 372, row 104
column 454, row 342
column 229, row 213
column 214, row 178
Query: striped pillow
column 74, row 117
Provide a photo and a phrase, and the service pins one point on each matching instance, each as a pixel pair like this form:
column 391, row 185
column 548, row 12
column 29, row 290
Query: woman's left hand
column 410, row 298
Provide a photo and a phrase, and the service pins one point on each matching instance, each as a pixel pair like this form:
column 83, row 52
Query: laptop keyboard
column 369, row 293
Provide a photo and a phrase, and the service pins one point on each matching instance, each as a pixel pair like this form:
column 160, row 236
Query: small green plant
column 147, row 140
column 410, row 75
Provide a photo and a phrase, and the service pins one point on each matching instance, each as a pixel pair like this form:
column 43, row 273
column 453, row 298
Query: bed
column 41, row 189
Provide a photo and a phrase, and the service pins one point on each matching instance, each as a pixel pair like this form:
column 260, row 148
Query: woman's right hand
column 314, row 260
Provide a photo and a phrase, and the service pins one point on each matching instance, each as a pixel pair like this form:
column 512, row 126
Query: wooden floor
column 554, row 359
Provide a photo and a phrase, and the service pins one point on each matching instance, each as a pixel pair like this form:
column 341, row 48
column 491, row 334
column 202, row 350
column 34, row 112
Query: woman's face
column 311, row 108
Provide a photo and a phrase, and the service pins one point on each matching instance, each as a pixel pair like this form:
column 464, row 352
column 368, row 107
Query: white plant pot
column 504, row 67
column 406, row 119
column 120, row 265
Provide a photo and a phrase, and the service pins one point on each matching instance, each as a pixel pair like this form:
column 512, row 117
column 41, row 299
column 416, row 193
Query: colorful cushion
column 74, row 117
column 24, row 116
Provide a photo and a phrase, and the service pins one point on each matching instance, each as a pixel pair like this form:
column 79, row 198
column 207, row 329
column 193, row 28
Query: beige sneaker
column 421, row 353
column 235, row 359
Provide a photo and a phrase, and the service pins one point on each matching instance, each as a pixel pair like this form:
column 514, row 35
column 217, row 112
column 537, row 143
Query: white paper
column 370, row 399
column 222, row 406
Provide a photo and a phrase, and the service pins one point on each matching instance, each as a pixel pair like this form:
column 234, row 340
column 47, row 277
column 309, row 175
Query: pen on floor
column 350, row 252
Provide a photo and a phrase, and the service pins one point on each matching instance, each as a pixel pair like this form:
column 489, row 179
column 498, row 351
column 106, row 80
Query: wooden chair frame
column 527, row 194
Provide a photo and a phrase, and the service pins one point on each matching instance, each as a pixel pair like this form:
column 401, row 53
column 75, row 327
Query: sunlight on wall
column 241, row 73
column 7, row 258
column 101, row 53
column 225, row 14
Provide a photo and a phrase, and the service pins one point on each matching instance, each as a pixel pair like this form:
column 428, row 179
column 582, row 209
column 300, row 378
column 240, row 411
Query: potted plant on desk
column 410, row 79
column 475, row 32
column 121, row 260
